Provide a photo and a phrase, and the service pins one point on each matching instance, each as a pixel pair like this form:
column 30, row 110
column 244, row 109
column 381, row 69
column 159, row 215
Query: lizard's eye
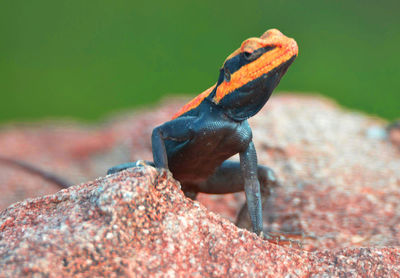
column 247, row 55
column 227, row 75
column 251, row 56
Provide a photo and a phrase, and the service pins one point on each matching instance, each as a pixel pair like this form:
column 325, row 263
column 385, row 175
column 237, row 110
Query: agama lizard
column 196, row 143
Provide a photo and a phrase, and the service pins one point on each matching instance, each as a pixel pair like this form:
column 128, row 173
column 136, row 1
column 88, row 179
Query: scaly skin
column 196, row 143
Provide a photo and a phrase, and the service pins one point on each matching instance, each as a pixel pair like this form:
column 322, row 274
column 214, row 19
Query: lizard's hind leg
column 127, row 165
column 228, row 178
column 268, row 181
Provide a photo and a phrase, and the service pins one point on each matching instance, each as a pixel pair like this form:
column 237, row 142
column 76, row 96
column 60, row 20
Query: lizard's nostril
column 294, row 47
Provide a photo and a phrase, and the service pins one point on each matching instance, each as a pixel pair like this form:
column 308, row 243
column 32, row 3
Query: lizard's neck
column 222, row 110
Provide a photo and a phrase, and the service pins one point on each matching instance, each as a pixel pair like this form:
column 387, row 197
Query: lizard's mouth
column 282, row 69
column 271, row 79
column 278, row 58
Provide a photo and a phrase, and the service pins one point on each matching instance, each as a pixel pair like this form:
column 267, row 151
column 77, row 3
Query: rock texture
column 136, row 222
column 340, row 192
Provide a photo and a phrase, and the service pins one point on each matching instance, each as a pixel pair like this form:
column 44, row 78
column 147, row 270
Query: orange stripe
column 194, row 102
column 285, row 48
column 252, row 71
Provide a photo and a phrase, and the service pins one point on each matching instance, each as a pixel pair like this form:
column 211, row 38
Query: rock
column 340, row 193
column 72, row 150
column 139, row 221
column 135, row 222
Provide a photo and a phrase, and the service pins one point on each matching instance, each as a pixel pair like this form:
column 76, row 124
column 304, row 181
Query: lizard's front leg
column 180, row 129
column 124, row 166
column 177, row 130
column 248, row 166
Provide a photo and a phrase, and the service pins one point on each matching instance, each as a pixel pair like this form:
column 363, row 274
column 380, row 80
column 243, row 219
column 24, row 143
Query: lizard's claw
column 124, row 166
column 283, row 239
column 141, row 163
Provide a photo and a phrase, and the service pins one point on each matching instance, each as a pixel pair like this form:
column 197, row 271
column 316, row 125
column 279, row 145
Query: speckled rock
column 340, row 177
column 137, row 222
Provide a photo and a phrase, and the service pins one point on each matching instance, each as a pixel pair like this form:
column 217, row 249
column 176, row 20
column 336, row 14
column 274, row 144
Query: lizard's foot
column 124, row 166
column 294, row 240
column 280, row 239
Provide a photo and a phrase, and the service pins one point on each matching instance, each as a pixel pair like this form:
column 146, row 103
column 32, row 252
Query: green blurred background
column 85, row 59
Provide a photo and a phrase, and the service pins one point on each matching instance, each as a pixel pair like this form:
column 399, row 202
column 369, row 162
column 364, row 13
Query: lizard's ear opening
column 227, row 75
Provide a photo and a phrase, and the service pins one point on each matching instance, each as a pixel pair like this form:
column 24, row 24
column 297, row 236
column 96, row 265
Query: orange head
column 249, row 75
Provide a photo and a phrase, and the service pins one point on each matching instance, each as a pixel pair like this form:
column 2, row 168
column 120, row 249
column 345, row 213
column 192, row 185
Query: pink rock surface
column 135, row 222
column 340, row 191
column 139, row 222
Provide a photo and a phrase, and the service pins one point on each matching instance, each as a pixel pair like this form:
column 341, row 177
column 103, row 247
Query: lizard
column 196, row 144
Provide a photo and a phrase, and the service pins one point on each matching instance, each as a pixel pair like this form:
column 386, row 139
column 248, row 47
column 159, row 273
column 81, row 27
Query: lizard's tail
column 61, row 182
